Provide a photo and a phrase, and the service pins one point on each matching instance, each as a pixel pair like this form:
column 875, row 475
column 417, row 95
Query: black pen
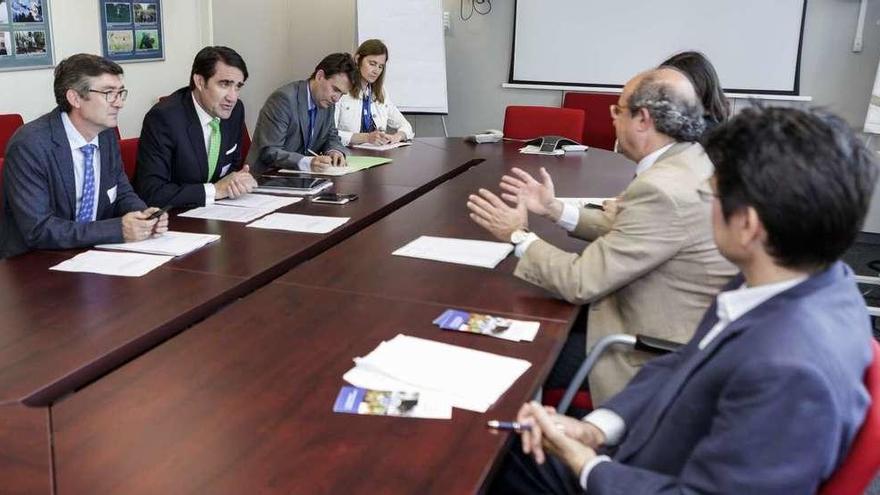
column 508, row 425
column 594, row 206
column 158, row 213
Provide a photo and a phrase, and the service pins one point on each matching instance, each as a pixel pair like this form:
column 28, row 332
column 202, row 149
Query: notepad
column 353, row 164
column 112, row 263
column 170, row 243
column 259, row 201
column 466, row 378
column 381, row 147
column 227, row 213
column 292, row 222
column 485, row 254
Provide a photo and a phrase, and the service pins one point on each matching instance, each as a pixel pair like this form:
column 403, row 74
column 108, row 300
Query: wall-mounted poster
column 132, row 31
column 25, row 35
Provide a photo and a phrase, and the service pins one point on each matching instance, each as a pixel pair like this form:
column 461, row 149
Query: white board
column 413, row 32
column 872, row 119
column 754, row 44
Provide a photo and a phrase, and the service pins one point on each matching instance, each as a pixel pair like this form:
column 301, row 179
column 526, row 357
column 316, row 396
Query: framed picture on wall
column 25, row 35
column 132, row 31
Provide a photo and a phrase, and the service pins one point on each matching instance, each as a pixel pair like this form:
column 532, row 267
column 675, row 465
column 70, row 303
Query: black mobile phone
column 334, row 199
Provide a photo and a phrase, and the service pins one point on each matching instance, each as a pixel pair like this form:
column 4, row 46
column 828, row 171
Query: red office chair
column 522, row 122
column 9, row 123
column 128, row 148
column 598, row 128
column 245, row 142
column 862, row 462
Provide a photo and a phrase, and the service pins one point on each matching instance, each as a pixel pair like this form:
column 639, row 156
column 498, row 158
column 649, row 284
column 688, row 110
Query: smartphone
column 334, row 199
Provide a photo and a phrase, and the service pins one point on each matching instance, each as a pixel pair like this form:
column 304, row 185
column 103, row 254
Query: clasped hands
column 571, row 440
column 236, row 184
column 137, row 225
column 520, row 189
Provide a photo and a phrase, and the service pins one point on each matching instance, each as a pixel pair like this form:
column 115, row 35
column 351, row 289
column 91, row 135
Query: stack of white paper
column 381, row 147
column 293, row 222
column 108, row 263
column 484, row 254
column 583, row 202
column 226, row 213
column 466, row 378
column 170, row 243
column 259, row 201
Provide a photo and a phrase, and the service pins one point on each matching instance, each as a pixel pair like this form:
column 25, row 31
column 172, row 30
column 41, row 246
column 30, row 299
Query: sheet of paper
column 111, row 263
column 532, row 149
column 259, row 201
column 470, row 379
column 226, row 213
column 582, row 202
column 170, row 243
column 381, row 147
column 293, row 222
column 485, row 254
column 354, row 164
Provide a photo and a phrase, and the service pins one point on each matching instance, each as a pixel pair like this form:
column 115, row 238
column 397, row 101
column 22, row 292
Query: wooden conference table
column 243, row 399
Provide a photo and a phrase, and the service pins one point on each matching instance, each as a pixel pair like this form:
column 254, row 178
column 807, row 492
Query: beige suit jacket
column 652, row 268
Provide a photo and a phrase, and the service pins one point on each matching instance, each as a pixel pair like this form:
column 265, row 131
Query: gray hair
column 676, row 114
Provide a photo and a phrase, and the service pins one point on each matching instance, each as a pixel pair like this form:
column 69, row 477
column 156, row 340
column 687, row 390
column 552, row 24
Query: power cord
column 474, row 8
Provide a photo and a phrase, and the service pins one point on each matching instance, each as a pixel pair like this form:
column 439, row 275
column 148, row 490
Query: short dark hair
column 74, row 73
column 675, row 114
column 805, row 172
column 205, row 63
column 336, row 63
column 702, row 74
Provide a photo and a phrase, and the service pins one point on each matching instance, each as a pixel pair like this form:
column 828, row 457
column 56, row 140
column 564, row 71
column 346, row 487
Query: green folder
column 365, row 162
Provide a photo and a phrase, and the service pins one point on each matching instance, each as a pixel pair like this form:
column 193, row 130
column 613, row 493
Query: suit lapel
column 105, row 175
column 303, row 104
column 64, row 160
column 195, row 134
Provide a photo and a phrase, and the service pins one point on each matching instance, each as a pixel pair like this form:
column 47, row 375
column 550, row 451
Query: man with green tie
column 189, row 152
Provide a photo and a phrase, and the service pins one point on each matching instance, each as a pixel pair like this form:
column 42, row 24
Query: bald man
column 651, row 266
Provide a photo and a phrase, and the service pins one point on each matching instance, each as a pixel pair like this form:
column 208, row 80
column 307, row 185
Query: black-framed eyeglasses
column 112, row 95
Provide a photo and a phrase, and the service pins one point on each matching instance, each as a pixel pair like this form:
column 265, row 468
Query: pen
column 594, row 206
column 158, row 213
column 508, row 425
column 312, row 152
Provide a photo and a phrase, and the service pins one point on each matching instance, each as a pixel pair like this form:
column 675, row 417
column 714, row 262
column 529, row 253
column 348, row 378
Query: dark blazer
column 282, row 128
column 39, row 191
column 172, row 163
column 770, row 406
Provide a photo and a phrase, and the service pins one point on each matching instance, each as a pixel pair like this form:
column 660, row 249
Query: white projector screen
column 754, row 44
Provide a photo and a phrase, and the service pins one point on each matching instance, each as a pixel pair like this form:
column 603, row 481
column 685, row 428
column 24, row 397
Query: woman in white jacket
column 366, row 114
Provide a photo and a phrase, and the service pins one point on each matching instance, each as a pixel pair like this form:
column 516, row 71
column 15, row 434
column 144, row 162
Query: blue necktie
column 313, row 113
column 367, row 124
column 87, row 205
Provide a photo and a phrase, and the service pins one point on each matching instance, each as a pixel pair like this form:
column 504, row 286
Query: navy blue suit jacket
column 172, row 163
column 39, row 191
column 770, row 406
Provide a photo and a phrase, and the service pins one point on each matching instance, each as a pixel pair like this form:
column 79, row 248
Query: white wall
column 76, row 28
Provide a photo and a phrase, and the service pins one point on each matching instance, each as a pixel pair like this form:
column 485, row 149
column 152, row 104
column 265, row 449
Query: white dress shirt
column 76, row 142
column 731, row 306
column 205, row 122
column 348, row 115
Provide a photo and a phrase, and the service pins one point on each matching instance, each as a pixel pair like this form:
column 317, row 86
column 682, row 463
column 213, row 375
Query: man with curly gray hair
column 651, row 266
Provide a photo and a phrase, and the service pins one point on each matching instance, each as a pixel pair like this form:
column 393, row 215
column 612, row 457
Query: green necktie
column 213, row 147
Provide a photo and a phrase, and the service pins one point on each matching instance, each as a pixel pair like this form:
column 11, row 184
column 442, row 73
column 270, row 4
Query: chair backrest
column 863, row 460
column 245, row 143
column 522, row 122
column 598, row 128
column 9, row 123
column 129, row 150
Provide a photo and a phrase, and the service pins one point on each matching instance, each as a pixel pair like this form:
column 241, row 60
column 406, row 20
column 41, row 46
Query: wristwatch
column 518, row 236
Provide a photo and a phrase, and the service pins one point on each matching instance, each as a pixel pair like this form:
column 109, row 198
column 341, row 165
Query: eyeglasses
column 616, row 110
column 112, row 96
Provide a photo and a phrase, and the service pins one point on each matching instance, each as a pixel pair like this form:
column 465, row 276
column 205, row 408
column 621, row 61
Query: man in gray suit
column 651, row 266
column 296, row 128
column 63, row 181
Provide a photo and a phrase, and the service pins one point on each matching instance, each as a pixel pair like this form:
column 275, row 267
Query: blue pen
column 508, row 425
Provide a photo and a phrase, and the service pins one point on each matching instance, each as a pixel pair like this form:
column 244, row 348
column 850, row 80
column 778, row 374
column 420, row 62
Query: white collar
column 204, row 117
column 735, row 303
column 646, row 162
column 75, row 139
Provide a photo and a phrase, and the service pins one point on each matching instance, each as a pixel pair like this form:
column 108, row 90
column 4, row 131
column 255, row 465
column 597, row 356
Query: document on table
column 381, row 147
column 532, row 149
column 353, row 164
column 110, row 263
column 485, row 254
column 170, row 243
column 259, row 201
column 226, row 213
column 292, row 222
column 583, row 202
column 466, row 378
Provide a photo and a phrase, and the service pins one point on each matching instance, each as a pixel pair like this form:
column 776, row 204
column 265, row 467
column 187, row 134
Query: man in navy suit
column 190, row 146
column 63, row 181
column 768, row 395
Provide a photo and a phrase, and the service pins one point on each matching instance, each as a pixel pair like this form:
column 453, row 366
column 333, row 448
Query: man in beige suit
column 652, row 266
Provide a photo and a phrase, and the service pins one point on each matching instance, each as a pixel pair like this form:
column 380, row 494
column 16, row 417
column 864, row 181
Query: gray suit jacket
column 39, row 191
column 282, row 130
column 653, row 268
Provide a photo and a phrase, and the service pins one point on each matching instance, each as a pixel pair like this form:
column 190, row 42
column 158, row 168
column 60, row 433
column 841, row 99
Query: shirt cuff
column 305, row 163
column 210, row 194
column 610, row 423
column 568, row 220
column 585, row 472
column 521, row 248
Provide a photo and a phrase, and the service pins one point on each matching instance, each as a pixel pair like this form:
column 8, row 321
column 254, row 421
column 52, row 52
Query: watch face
column 517, row 236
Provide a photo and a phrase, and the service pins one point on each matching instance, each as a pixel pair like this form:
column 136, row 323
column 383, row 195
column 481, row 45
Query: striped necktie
column 213, row 147
column 87, row 205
